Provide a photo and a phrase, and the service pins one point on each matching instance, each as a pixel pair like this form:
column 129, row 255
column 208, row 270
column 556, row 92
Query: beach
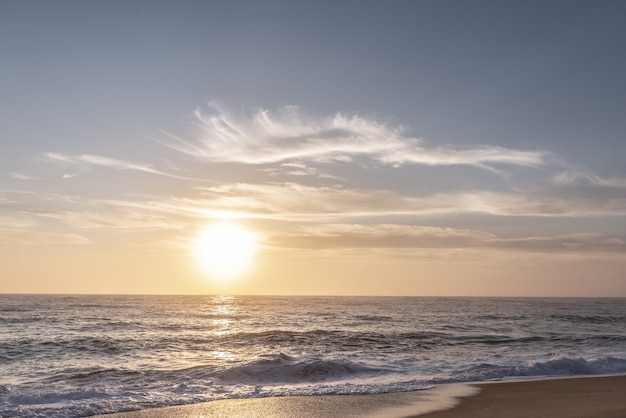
column 571, row 397
column 574, row 397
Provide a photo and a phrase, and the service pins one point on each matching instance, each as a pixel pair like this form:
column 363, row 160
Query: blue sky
column 456, row 141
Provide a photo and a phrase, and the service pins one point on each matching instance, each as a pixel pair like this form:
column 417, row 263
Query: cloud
column 566, row 243
column 428, row 237
column 22, row 176
column 138, row 213
column 379, row 236
column 481, row 157
column 87, row 160
column 121, row 220
column 275, row 201
column 589, row 179
column 297, row 168
column 289, row 199
column 543, row 204
column 15, row 222
column 13, row 237
column 288, row 136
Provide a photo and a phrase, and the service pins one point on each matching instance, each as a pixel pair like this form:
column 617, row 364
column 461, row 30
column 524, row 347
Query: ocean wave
column 592, row 319
column 97, row 391
column 556, row 366
column 339, row 339
column 87, row 392
column 285, row 369
column 373, row 318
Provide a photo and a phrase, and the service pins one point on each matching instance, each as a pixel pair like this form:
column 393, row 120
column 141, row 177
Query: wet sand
column 590, row 397
column 572, row 397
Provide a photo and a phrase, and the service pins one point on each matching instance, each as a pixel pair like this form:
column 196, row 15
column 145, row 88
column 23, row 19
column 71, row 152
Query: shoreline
column 584, row 396
column 383, row 405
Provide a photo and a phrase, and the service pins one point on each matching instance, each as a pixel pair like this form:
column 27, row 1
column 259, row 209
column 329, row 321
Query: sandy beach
column 571, row 397
column 578, row 397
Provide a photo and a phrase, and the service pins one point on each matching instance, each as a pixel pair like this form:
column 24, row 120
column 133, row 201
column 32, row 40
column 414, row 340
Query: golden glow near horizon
column 225, row 250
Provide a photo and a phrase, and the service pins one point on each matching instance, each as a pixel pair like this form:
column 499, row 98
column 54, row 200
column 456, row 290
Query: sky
column 428, row 148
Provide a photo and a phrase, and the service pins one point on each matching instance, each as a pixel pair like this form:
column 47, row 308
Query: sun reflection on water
column 223, row 309
column 224, row 356
column 223, row 305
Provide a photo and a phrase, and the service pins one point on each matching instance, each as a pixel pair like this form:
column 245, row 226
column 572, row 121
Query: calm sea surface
column 72, row 356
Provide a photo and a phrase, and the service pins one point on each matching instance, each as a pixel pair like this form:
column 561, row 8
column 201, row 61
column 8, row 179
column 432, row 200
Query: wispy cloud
column 12, row 237
column 427, row 237
column 133, row 214
column 293, row 199
column 129, row 220
column 379, row 236
column 297, row 168
column 22, row 176
column 88, row 160
column 288, row 199
column 287, row 135
column 587, row 178
column 16, row 222
column 544, row 204
column 566, row 243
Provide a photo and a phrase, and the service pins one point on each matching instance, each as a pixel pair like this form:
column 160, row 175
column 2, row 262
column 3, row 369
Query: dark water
column 68, row 356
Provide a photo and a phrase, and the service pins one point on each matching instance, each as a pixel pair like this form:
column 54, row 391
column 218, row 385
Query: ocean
column 76, row 356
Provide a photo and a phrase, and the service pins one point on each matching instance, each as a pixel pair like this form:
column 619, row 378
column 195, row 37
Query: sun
column 224, row 250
